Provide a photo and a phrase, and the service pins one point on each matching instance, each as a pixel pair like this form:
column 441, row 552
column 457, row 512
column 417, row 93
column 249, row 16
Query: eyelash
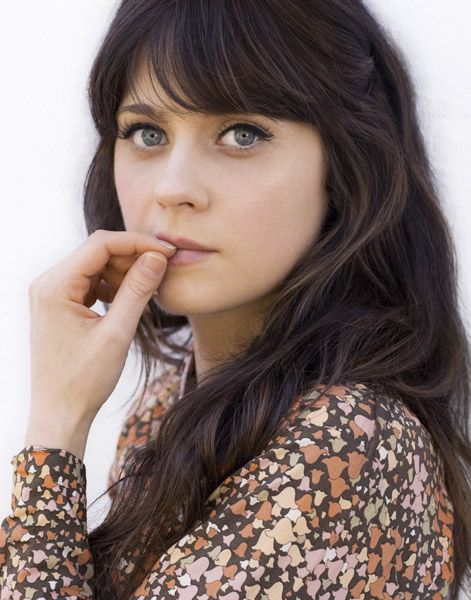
column 265, row 134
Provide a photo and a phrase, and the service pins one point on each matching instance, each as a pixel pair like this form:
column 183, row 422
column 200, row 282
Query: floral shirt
column 347, row 501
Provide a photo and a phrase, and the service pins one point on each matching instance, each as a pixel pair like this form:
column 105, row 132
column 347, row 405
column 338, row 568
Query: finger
column 92, row 256
column 102, row 246
column 103, row 292
column 133, row 295
column 115, row 271
column 109, row 280
column 114, row 277
column 121, row 264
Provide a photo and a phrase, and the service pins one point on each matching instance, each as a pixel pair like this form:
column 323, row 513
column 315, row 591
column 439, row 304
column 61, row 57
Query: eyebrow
column 143, row 109
column 160, row 114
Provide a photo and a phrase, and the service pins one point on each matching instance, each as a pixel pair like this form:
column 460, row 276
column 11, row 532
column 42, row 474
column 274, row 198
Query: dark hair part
column 374, row 300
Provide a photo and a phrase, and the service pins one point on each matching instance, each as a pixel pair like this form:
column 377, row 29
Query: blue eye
column 127, row 130
column 151, row 134
column 263, row 134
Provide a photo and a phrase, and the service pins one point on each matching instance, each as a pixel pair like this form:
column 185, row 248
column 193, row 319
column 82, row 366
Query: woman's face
column 258, row 203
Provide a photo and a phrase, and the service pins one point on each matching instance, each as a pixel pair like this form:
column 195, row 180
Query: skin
column 260, row 210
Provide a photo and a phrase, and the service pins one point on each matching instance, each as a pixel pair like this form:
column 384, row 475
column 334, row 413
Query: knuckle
column 31, row 290
column 97, row 234
column 33, row 286
column 43, row 291
column 41, row 285
column 38, row 290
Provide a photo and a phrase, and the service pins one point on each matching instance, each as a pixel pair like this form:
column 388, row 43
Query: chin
column 187, row 304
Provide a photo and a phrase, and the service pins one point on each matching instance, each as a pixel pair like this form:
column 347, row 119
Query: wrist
column 58, row 431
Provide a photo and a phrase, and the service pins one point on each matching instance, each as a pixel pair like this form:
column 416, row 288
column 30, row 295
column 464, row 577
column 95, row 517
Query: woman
column 310, row 438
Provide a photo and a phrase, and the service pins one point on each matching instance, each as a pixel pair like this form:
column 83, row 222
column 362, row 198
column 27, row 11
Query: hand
column 77, row 355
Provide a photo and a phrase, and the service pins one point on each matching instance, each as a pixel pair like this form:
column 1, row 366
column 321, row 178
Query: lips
column 184, row 257
column 182, row 243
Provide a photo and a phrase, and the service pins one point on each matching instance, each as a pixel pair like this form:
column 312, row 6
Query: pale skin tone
column 260, row 210
column 77, row 355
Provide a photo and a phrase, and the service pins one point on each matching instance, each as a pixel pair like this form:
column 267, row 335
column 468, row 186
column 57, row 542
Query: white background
column 47, row 141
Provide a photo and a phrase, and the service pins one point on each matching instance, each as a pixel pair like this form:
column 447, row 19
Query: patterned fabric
column 347, row 501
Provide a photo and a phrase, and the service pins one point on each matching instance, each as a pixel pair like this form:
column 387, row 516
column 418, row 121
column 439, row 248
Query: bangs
column 204, row 64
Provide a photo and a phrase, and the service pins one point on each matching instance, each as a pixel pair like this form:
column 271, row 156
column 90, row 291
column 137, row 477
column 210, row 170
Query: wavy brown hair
column 373, row 300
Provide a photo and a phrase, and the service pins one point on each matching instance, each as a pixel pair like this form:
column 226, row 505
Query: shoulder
column 371, row 449
column 359, row 416
column 345, row 444
column 323, row 447
column 331, row 424
column 361, row 425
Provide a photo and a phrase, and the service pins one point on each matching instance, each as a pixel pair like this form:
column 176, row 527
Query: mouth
column 183, row 256
column 181, row 242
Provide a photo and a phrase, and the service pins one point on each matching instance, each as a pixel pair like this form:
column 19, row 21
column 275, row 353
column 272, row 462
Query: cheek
column 275, row 224
column 259, row 254
column 129, row 188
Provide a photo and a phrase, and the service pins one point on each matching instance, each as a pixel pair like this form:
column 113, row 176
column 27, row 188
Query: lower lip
column 186, row 257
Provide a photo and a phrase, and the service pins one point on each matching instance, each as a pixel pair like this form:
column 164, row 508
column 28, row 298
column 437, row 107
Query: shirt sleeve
column 44, row 550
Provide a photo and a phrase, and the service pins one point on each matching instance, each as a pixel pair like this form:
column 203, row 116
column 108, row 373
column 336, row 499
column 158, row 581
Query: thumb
column 136, row 289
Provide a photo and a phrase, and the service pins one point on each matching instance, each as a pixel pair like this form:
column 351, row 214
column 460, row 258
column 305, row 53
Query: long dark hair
column 374, row 300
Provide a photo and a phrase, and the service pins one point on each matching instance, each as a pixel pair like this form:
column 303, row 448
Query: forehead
column 146, row 96
column 182, row 93
column 145, row 88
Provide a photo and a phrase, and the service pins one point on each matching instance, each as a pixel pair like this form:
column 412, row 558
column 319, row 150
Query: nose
column 180, row 179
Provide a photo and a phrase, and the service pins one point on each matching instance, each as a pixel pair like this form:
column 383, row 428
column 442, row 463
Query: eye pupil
column 151, row 134
column 245, row 136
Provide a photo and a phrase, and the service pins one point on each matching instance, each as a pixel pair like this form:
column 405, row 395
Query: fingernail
column 153, row 262
column 167, row 245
